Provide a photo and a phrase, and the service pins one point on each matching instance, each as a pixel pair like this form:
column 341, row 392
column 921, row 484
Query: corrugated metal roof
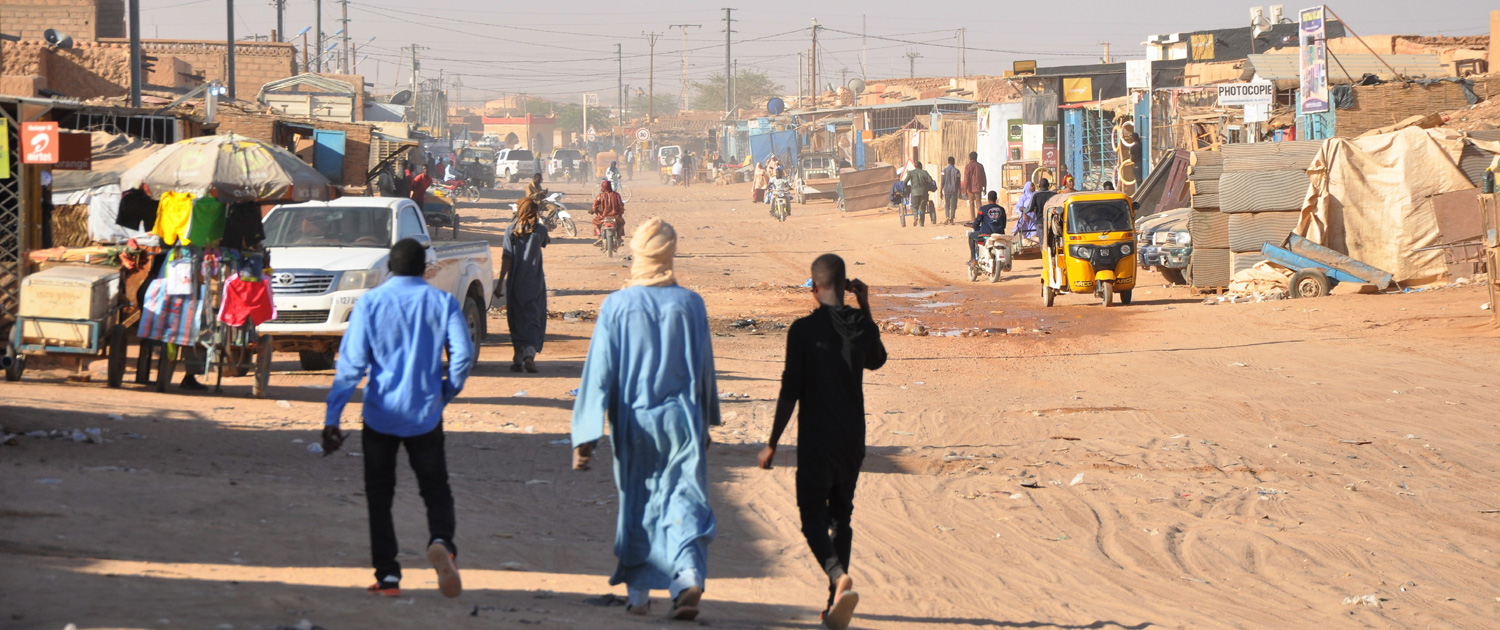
column 317, row 82
column 1284, row 67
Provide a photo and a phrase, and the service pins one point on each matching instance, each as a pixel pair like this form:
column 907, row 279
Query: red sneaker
column 448, row 581
column 385, row 589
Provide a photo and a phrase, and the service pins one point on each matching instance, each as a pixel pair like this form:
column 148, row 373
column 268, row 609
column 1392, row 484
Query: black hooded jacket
column 827, row 353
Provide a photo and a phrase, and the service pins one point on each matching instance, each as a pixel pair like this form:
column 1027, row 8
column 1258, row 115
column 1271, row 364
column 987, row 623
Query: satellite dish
column 775, row 106
column 57, row 38
column 401, row 98
column 857, row 85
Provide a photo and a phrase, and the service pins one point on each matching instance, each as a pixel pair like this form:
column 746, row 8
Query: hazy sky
column 561, row 49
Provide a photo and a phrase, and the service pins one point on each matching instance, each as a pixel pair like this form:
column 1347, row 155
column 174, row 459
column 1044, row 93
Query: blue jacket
column 397, row 333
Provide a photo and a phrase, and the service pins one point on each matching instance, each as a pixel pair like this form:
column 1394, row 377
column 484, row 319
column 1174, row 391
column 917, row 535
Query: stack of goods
column 1261, row 190
column 1209, row 264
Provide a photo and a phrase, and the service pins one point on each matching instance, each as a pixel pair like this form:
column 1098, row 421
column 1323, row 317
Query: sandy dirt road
column 1227, row 466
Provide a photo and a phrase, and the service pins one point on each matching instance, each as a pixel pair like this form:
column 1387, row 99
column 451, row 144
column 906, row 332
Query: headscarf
column 654, row 246
column 525, row 220
column 608, row 203
column 1027, row 192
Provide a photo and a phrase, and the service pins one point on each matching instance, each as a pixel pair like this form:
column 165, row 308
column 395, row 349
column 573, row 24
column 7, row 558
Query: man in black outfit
column 827, row 353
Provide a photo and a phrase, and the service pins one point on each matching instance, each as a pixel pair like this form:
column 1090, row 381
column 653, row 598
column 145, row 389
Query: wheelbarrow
column 1316, row 270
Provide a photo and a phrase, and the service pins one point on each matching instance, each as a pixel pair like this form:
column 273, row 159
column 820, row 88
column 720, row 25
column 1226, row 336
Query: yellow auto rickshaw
column 1088, row 246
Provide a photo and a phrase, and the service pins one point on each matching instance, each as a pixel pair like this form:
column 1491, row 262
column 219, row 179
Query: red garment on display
column 246, row 301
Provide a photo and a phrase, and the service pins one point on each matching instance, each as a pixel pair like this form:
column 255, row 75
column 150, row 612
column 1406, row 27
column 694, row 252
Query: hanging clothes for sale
column 171, row 318
column 173, row 215
column 246, row 302
column 242, row 226
column 179, row 272
column 207, row 224
column 137, row 211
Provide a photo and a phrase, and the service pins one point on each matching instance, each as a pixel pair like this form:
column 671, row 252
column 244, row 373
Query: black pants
column 429, row 462
column 825, row 499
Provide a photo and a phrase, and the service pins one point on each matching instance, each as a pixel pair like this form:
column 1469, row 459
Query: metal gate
column 158, row 129
column 12, row 237
column 1089, row 135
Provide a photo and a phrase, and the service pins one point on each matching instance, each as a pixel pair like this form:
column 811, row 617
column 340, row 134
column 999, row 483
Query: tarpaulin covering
column 782, row 144
column 1371, row 197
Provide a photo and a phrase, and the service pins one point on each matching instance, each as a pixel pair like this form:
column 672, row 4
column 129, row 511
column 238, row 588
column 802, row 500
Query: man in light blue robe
column 650, row 375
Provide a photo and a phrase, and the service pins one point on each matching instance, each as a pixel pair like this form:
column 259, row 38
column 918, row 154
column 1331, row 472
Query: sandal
column 685, row 606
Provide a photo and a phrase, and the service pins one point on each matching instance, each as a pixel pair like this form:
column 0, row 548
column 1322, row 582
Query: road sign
column 592, row 135
column 39, row 143
column 591, row 100
column 643, row 134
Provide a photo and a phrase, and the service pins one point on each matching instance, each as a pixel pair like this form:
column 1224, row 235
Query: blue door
column 328, row 154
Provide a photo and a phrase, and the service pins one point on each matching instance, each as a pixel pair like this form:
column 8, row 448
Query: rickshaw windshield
column 1089, row 217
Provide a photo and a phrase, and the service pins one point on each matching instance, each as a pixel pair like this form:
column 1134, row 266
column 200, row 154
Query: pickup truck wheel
column 474, row 318
column 317, row 361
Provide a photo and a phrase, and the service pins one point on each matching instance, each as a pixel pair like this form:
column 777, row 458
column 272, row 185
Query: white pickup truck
column 326, row 254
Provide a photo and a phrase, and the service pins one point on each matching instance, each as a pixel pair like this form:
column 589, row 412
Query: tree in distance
column 751, row 87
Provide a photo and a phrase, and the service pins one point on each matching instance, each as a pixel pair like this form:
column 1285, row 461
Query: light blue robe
column 650, row 374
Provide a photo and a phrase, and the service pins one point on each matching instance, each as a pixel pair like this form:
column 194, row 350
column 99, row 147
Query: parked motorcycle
column 993, row 255
column 554, row 214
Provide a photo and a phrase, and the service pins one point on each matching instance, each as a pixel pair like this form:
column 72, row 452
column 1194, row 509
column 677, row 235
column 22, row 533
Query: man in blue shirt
column 397, row 333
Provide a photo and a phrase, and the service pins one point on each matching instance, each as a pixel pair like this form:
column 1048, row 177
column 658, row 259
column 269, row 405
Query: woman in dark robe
column 525, row 285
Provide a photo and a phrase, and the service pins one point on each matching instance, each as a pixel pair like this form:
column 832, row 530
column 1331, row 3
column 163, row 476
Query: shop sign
column 39, row 143
column 1239, row 94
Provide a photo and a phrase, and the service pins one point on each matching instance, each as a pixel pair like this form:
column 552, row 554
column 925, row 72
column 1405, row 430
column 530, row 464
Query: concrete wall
column 85, row 20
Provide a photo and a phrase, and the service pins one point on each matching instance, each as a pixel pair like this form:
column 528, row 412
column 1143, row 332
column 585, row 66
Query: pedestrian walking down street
column 920, row 185
column 975, row 183
column 397, row 334
column 827, row 353
column 525, row 284
column 950, row 190
column 649, row 375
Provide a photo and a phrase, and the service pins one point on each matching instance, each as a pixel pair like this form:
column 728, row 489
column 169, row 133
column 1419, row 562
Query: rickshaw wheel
column 1108, row 291
column 1125, row 296
column 116, row 374
column 1048, row 295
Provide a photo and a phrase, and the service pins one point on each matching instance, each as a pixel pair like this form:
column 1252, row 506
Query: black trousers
column 429, row 461
column 825, row 499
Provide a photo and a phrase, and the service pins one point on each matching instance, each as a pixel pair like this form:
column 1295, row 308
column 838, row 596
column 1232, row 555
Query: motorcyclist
column 607, row 205
column 990, row 220
column 779, row 185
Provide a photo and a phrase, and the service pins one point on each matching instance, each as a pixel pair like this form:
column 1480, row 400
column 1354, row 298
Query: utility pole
column 963, row 52
column 734, row 87
column 620, row 82
column 280, row 24
column 863, row 57
column 458, row 91
column 812, row 71
column 801, row 77
column 1106, row 51
column 415, row 65
column 318, row 36
column 344, row 67
column 229, row 65
column 728, row 77
column 912, row 56
column 135, row 53
column 684, row 28
column 651, row 82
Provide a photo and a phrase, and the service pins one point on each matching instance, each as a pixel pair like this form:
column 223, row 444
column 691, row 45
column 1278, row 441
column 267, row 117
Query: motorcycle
column 554, row 214
column 609, row 235
column 458, row 189
column 781, row 203
column 993, row 255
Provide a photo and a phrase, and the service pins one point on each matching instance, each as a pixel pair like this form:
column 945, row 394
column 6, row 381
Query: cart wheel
column 262, row 368
column 1310, row 283
column 15, row 364
column 1048, row 295
column 1125, row 296
column 116, row 356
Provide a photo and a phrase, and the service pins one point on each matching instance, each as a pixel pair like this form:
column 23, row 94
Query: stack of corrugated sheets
column 1209, row 265
column 1261, row 190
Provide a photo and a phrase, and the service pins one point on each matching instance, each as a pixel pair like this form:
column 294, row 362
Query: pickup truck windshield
column 319, row 226
column 567, row 154
column 1089, row 217
column 520, row 155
